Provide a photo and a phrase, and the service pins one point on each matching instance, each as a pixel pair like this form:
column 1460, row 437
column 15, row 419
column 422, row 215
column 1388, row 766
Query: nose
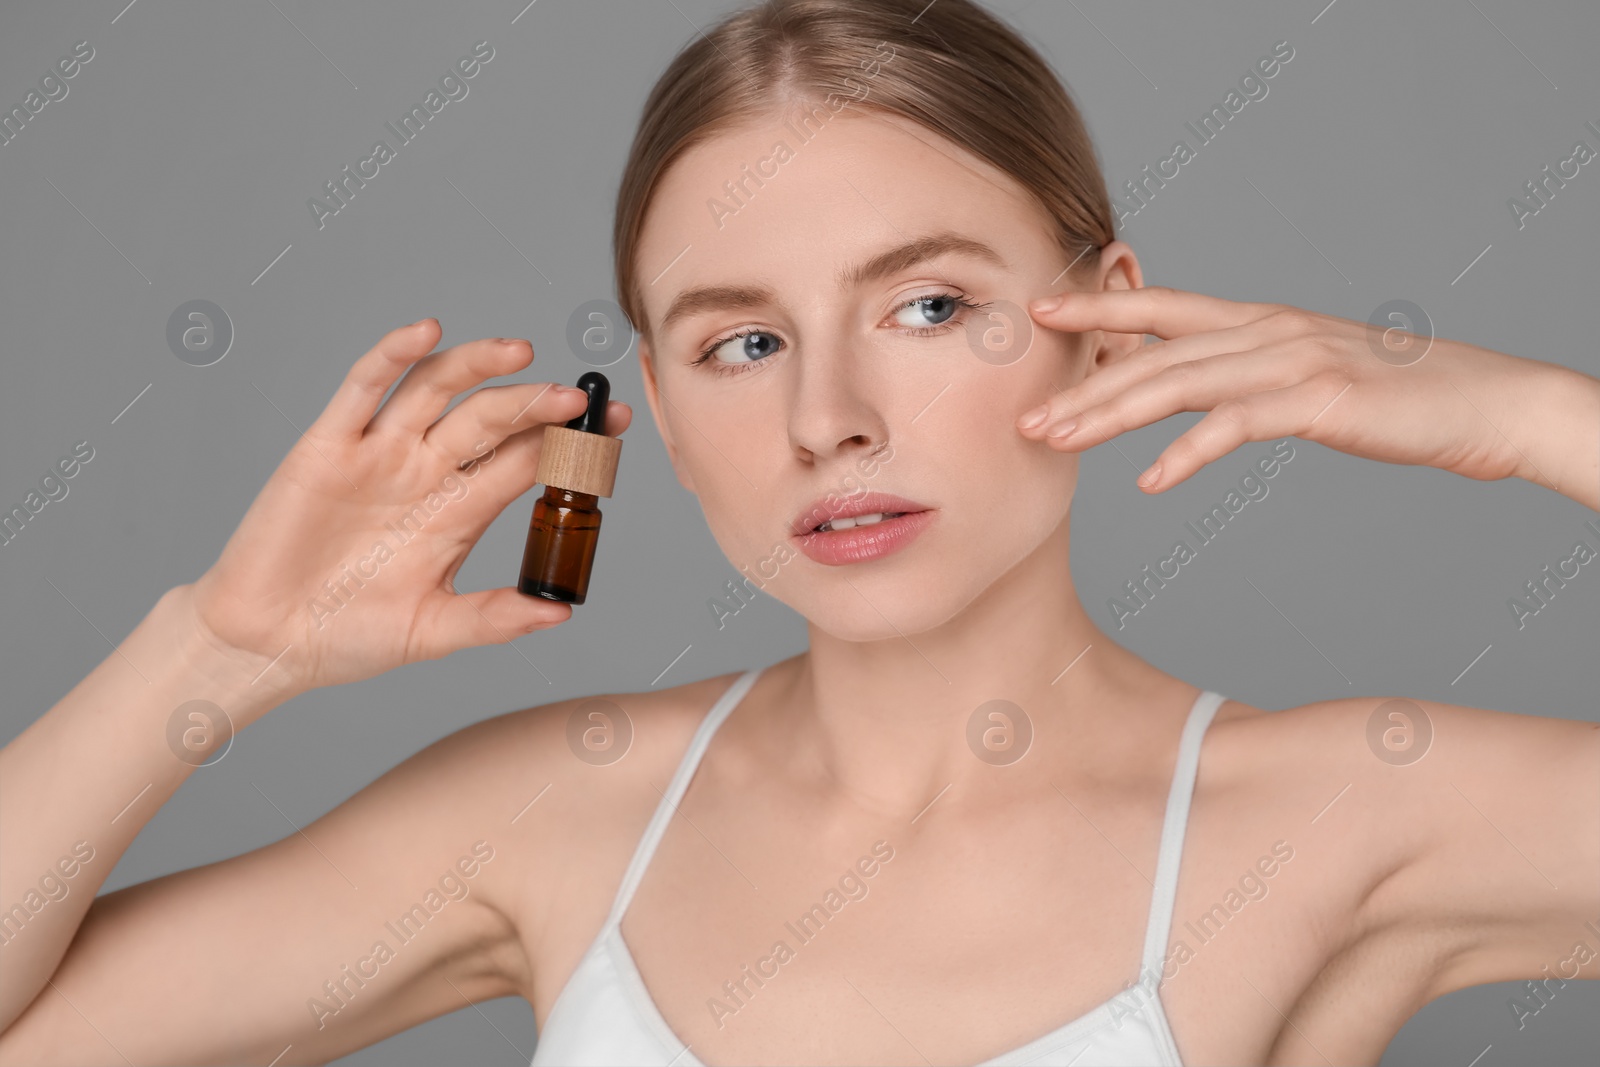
column 836, row 410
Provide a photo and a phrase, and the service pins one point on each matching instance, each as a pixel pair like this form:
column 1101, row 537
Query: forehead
column 773, row 198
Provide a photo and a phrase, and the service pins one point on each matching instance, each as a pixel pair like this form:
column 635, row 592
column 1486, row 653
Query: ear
column 1118, row 269
column 652, row 397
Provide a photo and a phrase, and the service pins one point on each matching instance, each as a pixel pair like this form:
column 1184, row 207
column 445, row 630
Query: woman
column 964, row 825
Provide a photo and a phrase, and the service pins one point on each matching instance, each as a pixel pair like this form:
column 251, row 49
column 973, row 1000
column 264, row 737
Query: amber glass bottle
column 578, row 465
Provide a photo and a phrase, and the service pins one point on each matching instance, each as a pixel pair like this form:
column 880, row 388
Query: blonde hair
column 990, row 93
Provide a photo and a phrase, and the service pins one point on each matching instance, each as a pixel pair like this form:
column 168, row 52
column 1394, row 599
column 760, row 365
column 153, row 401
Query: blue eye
column 747, row 351
column 941, row 306
column 755, row 345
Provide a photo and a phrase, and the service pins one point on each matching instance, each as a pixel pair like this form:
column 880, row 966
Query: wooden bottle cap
column 579, row 461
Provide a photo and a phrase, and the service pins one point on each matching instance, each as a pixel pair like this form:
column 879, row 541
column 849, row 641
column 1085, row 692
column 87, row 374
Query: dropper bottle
column 577, row 464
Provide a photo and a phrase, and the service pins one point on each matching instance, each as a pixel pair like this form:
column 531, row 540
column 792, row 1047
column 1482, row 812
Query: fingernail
column 1047, row 303
column 419, row 322
column 1035, row 417
column 1149, row 477
column 1062, row 429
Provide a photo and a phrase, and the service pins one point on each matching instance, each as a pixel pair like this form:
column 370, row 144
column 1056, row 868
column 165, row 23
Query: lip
column 825, row 509
column 858, row 544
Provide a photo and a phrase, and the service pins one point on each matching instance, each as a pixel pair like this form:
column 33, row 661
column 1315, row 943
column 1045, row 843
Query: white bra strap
column 675, row 790
column 1164, row 892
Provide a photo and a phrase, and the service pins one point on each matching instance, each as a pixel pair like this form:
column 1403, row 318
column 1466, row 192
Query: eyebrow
column 891, row 261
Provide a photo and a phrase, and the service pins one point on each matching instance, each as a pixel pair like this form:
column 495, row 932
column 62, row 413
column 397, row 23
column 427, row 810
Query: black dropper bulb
column 593, row 419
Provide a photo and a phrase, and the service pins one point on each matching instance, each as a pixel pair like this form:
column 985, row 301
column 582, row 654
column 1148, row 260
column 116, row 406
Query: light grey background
column 179, row 165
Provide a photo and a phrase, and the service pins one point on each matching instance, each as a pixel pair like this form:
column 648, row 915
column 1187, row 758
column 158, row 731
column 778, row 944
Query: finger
column 369, row 378
column 1157, row 310
column 494, row 413
column 1192, row 385
column 486, row 617
column 1259, row 417
column 506, row 470
column 437, row 379
column 1149, row 361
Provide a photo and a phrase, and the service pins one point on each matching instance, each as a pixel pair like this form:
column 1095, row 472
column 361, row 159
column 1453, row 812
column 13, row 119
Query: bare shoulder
column 578, row 764
column 1400, row 769
column 564, row 790
column 1392, row 746
column 579, row 754
column 1460, row 840
column 604, row 753
column 594, row 743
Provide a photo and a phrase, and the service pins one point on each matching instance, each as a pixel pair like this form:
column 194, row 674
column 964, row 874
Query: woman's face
column 848, row 381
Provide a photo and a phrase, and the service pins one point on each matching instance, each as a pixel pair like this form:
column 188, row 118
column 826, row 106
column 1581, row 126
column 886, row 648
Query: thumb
column 488, row 617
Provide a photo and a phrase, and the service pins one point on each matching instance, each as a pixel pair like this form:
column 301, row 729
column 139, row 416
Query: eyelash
column 915, row 331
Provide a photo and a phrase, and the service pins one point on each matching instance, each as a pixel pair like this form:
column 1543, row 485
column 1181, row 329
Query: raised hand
column 1266, row 370
column 342, row 567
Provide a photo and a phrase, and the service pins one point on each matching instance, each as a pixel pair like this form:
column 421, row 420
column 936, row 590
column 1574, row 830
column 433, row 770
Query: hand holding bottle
column 342, row 567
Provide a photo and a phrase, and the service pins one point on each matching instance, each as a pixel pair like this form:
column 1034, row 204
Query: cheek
column 979, row 430
column 995, row 466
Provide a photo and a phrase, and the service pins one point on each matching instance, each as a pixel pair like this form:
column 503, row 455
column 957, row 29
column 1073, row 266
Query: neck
column 889, row 722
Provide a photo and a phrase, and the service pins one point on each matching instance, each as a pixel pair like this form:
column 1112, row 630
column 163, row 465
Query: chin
column 886, row 604
column 867, row 626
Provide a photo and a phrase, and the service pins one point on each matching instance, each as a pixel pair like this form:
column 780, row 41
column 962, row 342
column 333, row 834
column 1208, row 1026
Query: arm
column 1498, row 828
column 391, row 909
column 67, row 819
column 1262, row 371
column 1563, row 448
column 253, row 631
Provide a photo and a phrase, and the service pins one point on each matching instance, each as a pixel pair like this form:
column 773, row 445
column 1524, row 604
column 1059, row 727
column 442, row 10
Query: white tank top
column 604, row 1016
